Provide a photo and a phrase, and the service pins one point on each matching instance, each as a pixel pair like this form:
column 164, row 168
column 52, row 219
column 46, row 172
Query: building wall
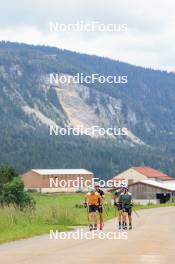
column 146, row 201
column 54, row 190
column 56, row 183
column 131, row 174
column 32, row 179
column 143, row 191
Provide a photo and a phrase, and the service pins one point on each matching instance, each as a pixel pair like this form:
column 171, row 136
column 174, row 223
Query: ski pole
column 87, row 209
column 101, row 221
column 115, row 216
column 115, row 210
column 105, row 210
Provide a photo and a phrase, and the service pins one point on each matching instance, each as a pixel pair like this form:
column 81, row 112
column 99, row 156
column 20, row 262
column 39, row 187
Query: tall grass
column 15, row 224
column 56, row 212
column 59, row 214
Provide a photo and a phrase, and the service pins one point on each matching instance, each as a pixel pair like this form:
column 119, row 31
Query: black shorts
column 119, row 207
column 93, row 208
column 127, row 210
column 100, row 209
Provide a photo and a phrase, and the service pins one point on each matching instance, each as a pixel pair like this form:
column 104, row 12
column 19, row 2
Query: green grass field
column 56, row 212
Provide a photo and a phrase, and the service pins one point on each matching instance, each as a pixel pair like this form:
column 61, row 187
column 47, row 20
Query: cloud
column 148, row 42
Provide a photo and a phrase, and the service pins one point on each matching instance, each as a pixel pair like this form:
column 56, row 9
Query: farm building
column 151, row 191
column 136, row 174
column 57, row 180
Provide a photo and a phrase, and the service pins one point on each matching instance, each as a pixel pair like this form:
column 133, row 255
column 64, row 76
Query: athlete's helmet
column 125, row 188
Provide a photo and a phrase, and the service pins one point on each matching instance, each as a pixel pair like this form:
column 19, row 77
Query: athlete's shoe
column 119, row 226
column 95, row 227
column 130, row 227
column 90, row 227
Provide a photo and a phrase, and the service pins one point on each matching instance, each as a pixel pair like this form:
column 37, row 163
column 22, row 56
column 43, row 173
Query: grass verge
column 53, row 212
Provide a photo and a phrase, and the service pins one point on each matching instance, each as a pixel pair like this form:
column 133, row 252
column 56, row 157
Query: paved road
column 151, row 241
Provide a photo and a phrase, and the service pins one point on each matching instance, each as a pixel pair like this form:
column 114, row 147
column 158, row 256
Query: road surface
column 152, row 240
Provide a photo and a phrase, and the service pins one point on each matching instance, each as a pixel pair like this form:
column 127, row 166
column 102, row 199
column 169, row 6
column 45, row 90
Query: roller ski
column 124, row 226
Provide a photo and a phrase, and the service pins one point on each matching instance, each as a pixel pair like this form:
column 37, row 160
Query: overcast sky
column 149, row 40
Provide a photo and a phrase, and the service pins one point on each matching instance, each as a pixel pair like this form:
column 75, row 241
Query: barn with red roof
column 135, row 174
column 148, row 185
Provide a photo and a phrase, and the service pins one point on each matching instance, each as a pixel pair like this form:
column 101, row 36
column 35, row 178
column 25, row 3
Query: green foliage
column 13, row 194
column 7, row 173
column 149, row 94
column 53, row 212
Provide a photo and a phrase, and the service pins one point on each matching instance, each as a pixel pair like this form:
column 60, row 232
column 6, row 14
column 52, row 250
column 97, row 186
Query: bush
column 13, row 194
column 32, row 191
column 7, row 173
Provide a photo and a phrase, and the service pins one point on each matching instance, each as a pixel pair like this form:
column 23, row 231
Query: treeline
column 148, row 98
column 150, row 94
column 105, row 158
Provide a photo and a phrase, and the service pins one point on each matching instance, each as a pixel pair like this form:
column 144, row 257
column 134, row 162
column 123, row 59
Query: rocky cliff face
column 64, row 105
column 29, row 104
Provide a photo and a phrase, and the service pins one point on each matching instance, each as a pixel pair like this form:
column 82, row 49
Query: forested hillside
column 145, row 105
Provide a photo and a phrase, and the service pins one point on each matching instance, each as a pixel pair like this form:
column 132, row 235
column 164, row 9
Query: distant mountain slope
column 28, row 105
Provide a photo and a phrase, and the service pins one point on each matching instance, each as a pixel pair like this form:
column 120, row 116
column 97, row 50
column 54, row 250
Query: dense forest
column 148, row 110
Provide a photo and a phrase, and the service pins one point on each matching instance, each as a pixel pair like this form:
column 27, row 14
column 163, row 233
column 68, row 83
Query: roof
column 61, row 171
column 152, row 173
column 170, row 184
column 116, row 179
column 166, row 186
